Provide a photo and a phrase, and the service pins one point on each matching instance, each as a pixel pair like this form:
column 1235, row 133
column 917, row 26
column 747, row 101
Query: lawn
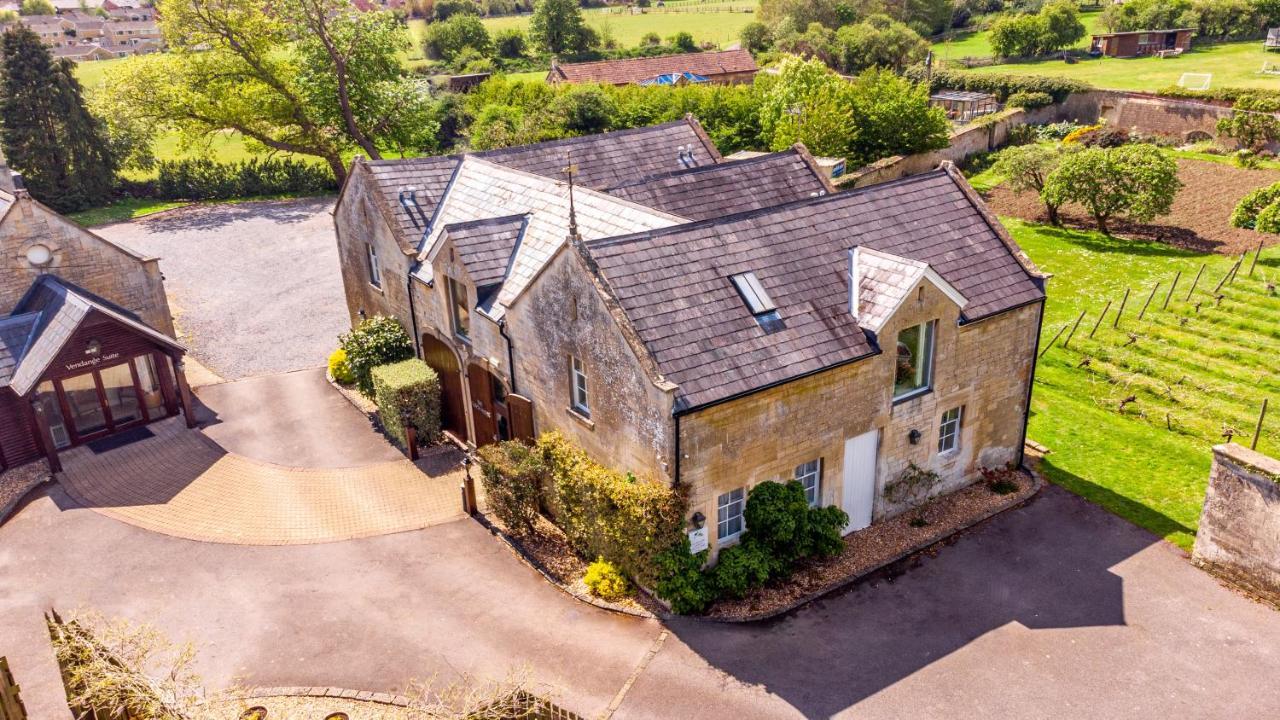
column 978, row 44
column 1194, row 371
column 708, row 22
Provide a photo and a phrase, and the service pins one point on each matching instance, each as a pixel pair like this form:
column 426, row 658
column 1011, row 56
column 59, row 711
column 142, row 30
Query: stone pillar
column 1239, row 534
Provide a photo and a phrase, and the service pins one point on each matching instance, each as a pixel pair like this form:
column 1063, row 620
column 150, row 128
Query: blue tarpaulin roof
column 673, row 78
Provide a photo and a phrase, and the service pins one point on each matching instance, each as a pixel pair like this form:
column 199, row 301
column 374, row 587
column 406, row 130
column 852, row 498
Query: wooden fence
column 10, row 700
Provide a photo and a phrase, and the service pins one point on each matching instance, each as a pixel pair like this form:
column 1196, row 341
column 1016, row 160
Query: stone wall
column 1239, row 534
column 100, row 266
column 985, row 367
column 1185, row 120
column 357, row 221
column 562, row 314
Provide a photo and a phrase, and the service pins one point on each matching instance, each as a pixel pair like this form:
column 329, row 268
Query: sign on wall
column 698, row 540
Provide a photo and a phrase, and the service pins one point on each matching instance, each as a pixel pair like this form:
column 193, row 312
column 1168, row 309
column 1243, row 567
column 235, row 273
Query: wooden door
column 521, row 410
column 440, row 357
column 859, row 479
column 483, row 413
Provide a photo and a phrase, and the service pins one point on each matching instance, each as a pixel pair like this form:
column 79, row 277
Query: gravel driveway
column 255, row 286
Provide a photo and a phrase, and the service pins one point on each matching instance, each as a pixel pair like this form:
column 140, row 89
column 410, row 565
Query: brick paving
column 183, row 484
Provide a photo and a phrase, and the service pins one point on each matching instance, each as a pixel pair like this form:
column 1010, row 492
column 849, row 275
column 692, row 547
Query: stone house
column 714, row 325
column 87, row 345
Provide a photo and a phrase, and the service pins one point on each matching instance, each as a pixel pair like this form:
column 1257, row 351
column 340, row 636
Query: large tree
column 47, row 133
column 1025, row 168
column 312, row 77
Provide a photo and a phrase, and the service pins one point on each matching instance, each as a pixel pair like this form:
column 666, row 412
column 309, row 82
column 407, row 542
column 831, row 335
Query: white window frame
column 579, row 396
column 731, row 506
column 949, row 430
column 809, row 475
column 375, row 268
column 924, row 369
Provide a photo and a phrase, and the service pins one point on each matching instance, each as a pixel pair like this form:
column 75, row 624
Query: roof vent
column 684, row 154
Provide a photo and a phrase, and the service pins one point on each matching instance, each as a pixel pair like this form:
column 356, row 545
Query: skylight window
column 753, row 293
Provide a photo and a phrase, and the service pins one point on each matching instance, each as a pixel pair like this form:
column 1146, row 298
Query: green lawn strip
column 122, row 210
column 967, row 43
column 1227, row 159
column 1214, row 369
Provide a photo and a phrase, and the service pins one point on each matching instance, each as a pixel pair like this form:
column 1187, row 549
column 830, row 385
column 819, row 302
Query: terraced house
column 708, row 322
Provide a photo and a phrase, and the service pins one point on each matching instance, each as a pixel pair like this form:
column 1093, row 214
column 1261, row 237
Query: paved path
column 255, row 286
column 1057, row 610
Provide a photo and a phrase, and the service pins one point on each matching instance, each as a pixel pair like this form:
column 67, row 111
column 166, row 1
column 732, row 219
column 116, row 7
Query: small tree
column 804, row 104
column 557, row 27
column 879, row 41
column 1259, row 210
column 1253, row 122
column 894, row 117
column 1139, row 181
column 36, row 7
column 447, row 40
column 1026, row 168
column 755, row 37
column 509, row 42
column 683, row 41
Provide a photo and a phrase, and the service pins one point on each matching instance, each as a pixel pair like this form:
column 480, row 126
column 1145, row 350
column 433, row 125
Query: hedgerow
column 1002, row 86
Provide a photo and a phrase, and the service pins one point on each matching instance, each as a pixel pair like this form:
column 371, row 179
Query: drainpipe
column 1031, row 381
column 677, row 478
column 413, row 317
column 511, row 357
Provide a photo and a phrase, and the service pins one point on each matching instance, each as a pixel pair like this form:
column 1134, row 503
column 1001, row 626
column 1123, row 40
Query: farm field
column 709, row 22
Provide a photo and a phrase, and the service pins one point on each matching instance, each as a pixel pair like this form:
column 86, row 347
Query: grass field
column 1231, row 64
column 1194, row 371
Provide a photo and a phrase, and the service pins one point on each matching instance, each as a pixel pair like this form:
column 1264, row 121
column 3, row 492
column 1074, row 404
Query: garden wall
column 1145, row 113
column 1239, row 535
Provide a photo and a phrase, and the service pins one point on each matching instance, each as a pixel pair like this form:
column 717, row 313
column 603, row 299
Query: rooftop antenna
column 569, row 170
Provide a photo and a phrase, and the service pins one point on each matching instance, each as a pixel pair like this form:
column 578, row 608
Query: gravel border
column 946, row 537
column 17, row 483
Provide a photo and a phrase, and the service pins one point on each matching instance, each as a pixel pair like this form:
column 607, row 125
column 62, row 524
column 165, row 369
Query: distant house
column 723, row 67
column 1142, row 42
column 80, row 53
column 129, row 33
column 138, row 14
column 52, row 30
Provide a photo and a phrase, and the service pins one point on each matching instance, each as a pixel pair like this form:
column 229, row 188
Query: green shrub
column 512, row 474
column 204, row 179
column 779, row 519
column 679, row 578
column 408, row 395
column 1029, row 99
column 605, row 582
column 339, row 370
column 1002, row 86
column 605, row 513
column 744, row 567
column 379, row 340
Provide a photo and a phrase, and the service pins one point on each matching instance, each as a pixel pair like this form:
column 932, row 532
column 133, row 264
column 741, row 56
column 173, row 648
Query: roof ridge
column 576, row 139
column 761, row 212
column 759, row 159
column 502, row 219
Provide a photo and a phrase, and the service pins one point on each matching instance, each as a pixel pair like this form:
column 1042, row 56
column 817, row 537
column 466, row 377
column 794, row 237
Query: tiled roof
column 481, row 189
column 486, row 246
column 728, row 187
column 673, row 284
column 884, row 280
column 635, row 70
column 603, row 160
column 60, row 307
column 15, row 336
column 613, row 158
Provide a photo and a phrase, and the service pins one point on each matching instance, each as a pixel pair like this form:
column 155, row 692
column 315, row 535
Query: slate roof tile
column 672, row 283
column 635, row 70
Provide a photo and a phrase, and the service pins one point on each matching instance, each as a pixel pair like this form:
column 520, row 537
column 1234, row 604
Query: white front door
column 859, row 479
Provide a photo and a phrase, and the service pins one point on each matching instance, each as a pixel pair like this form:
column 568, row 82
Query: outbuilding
column 77, row 369
column 1142, row 42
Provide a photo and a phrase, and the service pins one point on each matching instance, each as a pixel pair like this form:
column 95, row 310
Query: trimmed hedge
column 1002, row 86
column 203, row 179
column 379, row 340
column 604, row 513
column 408, row 394
column 1029, row 100
column 1223, row 94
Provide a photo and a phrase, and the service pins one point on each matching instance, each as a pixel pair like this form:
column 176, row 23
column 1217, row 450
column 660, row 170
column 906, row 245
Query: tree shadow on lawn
column 1046, row 565
column 1153, row 240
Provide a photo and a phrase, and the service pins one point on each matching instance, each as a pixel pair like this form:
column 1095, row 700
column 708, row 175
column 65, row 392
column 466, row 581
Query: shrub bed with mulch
column 17, row 482
column 882, row 544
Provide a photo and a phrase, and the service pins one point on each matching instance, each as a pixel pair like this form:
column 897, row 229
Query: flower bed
column 879, row 545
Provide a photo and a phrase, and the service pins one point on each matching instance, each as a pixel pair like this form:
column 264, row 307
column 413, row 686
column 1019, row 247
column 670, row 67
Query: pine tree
column 47, row 132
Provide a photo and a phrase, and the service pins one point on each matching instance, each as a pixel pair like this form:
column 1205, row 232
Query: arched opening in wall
column 489, row 412
column 1195, row 136
column 440, row 357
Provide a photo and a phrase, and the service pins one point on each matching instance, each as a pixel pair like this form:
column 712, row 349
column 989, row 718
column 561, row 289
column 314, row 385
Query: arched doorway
column 488, row 406
column 440, row 357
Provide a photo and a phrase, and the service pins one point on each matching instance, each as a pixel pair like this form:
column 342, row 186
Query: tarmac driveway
column 1055, row 610
column 255, row 286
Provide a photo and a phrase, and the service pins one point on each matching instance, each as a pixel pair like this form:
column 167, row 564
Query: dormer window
column 913, row 373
